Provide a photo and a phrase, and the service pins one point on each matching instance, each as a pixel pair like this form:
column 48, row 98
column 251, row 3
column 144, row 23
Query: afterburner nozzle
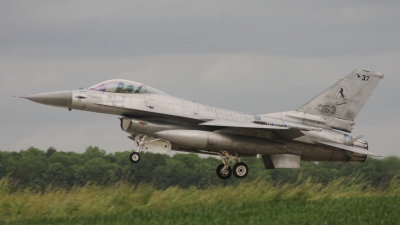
column 58, row 99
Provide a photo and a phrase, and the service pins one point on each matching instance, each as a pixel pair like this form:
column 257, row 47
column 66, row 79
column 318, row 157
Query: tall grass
column 122, row 200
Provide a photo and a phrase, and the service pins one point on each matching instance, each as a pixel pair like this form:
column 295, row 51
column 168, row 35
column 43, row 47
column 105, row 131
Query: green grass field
column 343, row 201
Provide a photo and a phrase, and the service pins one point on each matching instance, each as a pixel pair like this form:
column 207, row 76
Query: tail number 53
column 326, row 109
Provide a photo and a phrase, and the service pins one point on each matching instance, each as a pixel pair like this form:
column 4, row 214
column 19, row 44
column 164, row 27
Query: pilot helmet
column 120, row 86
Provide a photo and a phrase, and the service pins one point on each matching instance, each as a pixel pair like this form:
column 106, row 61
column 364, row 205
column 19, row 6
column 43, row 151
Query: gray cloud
column 114, row 30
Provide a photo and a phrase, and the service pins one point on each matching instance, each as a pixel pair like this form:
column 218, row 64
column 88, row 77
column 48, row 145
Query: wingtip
column 375, row 155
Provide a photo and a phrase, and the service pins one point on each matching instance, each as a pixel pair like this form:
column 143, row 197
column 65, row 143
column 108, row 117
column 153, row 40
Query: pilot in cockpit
column 129, row 88
column 123, row 86
column 120, row 88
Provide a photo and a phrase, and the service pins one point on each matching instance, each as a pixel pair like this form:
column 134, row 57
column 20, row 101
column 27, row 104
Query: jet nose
column 59, row 98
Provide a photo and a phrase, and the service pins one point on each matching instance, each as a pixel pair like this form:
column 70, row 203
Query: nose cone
column 58, row 99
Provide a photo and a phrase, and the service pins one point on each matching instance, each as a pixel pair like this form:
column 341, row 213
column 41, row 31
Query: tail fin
column 344, row 99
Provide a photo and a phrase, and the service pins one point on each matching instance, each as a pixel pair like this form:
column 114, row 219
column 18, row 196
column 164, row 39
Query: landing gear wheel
column 224, row 174
column 240, row 170
column 134, row 157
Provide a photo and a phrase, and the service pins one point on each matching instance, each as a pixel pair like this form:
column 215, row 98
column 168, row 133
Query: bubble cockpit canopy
column 124, row 86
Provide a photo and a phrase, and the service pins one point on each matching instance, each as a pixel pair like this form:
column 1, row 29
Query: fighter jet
column 317, row 131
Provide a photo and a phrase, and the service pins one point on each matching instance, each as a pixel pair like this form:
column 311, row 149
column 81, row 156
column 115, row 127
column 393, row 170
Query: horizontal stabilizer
column 350, row 148
column 353, row 140
column 226, row 123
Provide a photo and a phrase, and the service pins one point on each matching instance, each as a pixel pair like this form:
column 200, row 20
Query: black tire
column 226, row 175
column 240, row 170
column 134, row 157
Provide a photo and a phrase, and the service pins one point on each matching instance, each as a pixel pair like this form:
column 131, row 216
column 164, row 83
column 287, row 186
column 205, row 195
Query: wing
column 349, row 148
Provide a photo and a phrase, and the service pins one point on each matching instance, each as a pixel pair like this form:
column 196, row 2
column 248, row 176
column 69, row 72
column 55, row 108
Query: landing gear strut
column 224, row 171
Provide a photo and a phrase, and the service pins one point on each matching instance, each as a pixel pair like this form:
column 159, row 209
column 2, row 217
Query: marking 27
column 362, row 77
column 326, row 109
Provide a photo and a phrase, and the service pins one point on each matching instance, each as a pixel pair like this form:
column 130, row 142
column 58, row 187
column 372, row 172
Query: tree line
column 38, row 168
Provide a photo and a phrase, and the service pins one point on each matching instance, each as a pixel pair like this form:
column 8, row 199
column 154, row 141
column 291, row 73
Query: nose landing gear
column 144, row 142
column 134, row 157
column 224, row 171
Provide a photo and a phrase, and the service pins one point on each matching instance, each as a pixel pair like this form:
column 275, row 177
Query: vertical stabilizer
column 344, row 99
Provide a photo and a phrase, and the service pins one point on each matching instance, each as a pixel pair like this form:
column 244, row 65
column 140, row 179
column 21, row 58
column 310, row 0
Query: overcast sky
column 250, row 56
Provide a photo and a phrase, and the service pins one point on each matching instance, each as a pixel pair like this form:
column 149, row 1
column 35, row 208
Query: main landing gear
column 224, row 171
